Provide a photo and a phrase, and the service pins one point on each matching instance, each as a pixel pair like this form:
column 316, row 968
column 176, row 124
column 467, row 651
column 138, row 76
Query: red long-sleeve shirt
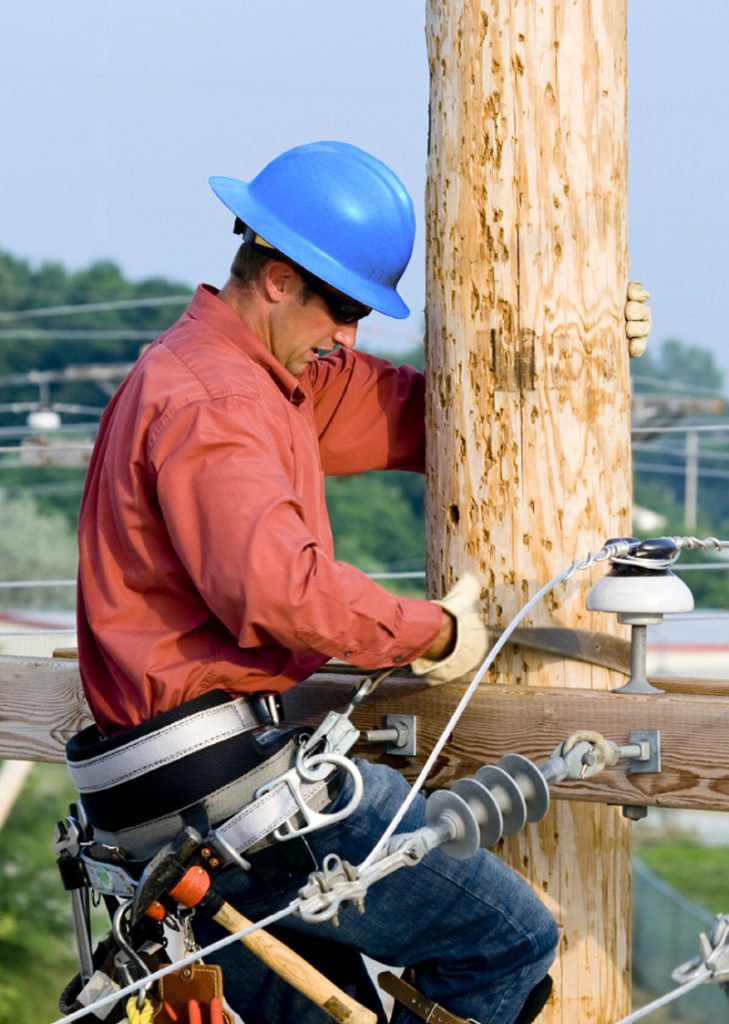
column 205, row 552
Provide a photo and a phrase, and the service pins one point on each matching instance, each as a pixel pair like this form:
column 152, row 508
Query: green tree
column 674, row 362
column 34, row 546
column 36, row 944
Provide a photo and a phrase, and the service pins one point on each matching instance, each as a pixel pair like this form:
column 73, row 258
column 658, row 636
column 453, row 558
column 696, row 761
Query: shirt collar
column 207, row 307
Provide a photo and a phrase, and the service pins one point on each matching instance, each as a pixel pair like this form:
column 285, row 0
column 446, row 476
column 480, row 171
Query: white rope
column 669, row 997
column 191, row 958
column 463, row 703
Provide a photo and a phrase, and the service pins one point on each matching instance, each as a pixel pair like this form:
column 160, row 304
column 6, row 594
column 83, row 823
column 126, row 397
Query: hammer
column 168, row 874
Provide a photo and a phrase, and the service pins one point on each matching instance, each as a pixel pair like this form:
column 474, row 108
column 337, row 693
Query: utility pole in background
column 529, row 404
column 691, row 492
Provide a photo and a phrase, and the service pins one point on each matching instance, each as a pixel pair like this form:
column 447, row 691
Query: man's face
column 304, row 327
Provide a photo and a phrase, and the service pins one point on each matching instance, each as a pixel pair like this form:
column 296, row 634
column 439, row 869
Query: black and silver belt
column 137, row 786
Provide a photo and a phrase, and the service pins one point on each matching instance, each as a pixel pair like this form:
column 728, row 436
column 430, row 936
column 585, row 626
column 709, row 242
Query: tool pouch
column 192, row 995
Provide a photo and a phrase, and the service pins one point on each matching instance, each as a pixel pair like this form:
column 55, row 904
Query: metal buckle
column 308, row 769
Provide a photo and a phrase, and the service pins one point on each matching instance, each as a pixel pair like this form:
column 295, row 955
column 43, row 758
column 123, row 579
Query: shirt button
column 347, row 654
column 397, row 659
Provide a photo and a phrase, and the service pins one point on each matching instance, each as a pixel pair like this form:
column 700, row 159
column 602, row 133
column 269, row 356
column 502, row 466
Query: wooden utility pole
column 528, row 387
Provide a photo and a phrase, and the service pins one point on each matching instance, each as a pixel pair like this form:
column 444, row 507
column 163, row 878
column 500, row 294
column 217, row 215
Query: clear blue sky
column 114, row 116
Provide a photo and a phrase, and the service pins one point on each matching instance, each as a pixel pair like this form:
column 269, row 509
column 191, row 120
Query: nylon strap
column 243, row 829
column 162, row 747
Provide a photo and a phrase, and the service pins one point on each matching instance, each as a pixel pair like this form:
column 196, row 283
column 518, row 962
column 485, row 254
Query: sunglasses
column 343, row 309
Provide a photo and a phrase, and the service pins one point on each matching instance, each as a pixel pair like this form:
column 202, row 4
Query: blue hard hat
column 338, row 212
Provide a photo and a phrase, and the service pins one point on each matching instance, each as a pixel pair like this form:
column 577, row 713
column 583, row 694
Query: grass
column 37, row 951
column 700, row 873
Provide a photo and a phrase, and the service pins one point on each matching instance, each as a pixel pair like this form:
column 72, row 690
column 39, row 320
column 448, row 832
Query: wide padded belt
column 159, row 747
column 168, row 763
column 242, row 822
column 416, row 1002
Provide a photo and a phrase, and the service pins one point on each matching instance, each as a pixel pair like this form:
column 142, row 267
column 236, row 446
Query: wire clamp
column 713, row 956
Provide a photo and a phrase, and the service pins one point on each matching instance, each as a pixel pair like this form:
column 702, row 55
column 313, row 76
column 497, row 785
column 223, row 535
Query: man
column 207, row 573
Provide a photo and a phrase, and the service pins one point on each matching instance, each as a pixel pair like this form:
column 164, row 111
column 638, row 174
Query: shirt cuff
column 418, row 625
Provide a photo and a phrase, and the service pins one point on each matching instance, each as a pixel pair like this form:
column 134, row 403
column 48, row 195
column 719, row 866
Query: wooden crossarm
column 42, row 705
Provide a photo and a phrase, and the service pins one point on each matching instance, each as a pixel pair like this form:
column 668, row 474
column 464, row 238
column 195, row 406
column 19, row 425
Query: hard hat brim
column 237, row 196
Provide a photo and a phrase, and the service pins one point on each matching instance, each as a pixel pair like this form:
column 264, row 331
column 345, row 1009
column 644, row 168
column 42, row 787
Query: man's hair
column 248, row 263
column 250, row 260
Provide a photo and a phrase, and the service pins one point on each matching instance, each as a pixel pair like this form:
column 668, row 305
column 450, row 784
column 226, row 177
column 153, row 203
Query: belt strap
column 163, row 746
column 242, row 829
column 415, row 1001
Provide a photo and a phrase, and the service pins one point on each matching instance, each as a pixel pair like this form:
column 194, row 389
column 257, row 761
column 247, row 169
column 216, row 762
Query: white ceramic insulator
column 652, row 595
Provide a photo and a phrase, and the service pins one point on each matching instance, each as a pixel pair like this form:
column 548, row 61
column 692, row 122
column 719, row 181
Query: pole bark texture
column 527, row 369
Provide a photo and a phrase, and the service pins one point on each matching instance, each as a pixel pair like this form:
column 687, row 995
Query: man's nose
column 346, row 335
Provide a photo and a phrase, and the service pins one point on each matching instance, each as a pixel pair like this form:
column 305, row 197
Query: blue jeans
column 477, row 936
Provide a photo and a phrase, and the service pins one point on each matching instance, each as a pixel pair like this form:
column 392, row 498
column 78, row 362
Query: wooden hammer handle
column 296, row 971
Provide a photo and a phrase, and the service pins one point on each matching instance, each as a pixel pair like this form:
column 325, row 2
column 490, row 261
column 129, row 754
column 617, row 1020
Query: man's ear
column 279, row 280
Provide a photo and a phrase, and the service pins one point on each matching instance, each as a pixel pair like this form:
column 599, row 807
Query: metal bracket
column 399, row 732
column 648, row 761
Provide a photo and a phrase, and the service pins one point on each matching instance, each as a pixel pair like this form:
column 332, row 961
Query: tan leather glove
column 463, row 602
column 638, row 319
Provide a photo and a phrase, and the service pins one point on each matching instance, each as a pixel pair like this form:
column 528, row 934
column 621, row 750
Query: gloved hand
column 638, row 319
column 463, row 602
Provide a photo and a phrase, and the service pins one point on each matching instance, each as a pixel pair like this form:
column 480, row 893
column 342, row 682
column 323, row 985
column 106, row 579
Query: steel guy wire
column 691, row 543
column 669, row 997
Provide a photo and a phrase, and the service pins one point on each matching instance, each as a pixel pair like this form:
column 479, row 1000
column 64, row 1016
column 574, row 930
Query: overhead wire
column 10, row 316
column 684, row 428
column 671, row 385
column 58, row 334
column 679, row 453
column 663, row 467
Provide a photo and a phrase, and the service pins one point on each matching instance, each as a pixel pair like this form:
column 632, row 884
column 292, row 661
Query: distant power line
column 93, row 307
column 674, row 385
column 82, row 334
column 662, row 467
column 704, row 428
column 679, row 453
